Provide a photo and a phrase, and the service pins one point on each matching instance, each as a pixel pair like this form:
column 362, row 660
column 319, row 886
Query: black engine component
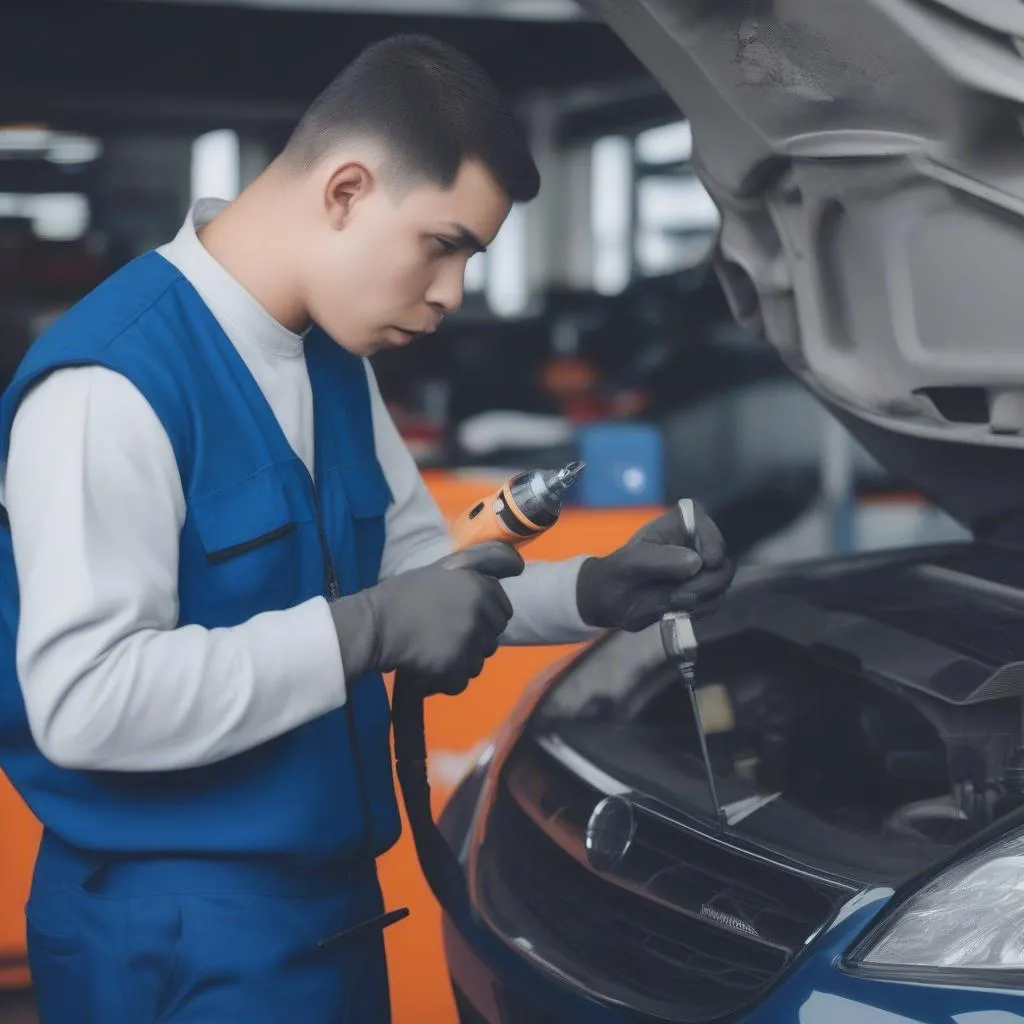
column 1013, row 776
column 966, row 809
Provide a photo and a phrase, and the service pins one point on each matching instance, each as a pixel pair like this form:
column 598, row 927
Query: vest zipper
column 333, row 593
column 333, row 590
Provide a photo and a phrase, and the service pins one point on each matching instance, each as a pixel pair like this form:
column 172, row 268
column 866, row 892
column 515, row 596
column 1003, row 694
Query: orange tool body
column 523, row 508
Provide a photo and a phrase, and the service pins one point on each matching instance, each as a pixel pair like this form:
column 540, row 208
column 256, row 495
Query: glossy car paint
column 505, row 987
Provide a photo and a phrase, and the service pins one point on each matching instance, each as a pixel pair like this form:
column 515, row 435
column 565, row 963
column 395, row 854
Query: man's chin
column 389, row 338
column 361, row 348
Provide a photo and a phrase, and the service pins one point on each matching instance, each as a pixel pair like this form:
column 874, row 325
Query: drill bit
column 561, row 480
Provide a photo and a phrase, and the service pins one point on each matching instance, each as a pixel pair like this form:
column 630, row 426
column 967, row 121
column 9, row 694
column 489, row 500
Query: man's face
column 388, row 267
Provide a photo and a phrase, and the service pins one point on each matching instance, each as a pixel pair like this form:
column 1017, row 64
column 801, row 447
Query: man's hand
column 653, row 573
column 440, row 622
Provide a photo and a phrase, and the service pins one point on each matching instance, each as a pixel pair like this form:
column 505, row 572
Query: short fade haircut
column 430, row 106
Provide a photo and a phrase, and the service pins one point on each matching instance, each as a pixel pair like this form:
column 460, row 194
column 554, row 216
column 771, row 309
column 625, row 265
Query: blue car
column 829, row 827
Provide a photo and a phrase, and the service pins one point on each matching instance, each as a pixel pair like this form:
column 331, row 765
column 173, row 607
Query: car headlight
column 967, row 919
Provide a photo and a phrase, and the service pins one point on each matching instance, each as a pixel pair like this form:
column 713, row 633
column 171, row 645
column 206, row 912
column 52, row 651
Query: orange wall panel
column 19, row 839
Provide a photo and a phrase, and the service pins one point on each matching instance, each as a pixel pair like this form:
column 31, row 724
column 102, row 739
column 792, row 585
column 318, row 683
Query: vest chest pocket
column 248, row 545
column 368, row 496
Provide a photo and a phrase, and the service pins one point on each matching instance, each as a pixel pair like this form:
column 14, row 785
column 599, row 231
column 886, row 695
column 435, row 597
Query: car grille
column 682, row 929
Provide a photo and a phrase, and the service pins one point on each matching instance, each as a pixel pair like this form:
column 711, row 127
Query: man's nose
column 446, row 290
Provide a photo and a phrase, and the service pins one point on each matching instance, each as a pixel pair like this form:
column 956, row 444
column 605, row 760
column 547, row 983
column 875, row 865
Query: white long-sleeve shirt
column 96, row 506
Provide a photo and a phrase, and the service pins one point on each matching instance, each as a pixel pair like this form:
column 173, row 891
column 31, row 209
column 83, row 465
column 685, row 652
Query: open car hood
column 867, row 157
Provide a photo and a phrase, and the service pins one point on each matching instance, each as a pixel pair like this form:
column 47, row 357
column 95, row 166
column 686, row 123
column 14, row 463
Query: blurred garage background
column 595, row 326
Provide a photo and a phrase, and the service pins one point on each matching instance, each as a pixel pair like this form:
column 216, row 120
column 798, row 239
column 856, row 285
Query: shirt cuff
column 544, row 605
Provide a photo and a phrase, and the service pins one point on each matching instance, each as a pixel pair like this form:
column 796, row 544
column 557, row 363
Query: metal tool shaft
column 680, row 643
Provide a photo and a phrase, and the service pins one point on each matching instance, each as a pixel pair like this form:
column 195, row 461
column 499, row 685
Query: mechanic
column 196, row 632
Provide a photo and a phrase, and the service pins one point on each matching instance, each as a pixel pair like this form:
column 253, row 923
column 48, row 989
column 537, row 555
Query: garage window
column 650, row 214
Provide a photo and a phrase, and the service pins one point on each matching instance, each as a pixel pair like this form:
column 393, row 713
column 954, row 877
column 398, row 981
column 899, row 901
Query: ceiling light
column 530, row 10
column 21, row 141
column 74, row 149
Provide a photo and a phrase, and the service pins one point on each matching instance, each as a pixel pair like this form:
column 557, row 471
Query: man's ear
column 348, row 184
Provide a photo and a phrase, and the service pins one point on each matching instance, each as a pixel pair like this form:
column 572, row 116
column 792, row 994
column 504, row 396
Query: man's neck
column 250, row 239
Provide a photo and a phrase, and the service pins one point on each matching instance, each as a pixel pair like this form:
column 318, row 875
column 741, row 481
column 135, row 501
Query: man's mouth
column 419, row 332
column 402, row 336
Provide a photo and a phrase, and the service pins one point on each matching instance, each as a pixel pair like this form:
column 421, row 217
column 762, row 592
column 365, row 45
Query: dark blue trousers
column 141, row 941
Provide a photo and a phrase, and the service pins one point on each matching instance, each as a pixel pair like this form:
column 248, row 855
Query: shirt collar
column 237, row 311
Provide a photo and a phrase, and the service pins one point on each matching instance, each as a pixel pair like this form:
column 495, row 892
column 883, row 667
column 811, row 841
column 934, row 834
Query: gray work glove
column 654, row 573
column 440, row 622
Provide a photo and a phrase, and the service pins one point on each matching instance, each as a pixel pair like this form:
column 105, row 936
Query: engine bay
column 855, row 752
column 870, row 765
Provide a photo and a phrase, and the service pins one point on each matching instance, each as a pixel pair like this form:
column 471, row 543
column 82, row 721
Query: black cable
column 438, row 862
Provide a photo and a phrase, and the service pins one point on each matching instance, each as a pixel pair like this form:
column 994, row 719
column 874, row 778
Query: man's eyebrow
column 467, row 238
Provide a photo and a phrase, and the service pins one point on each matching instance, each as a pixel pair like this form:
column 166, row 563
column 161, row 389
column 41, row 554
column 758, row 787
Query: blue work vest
column 259, row 535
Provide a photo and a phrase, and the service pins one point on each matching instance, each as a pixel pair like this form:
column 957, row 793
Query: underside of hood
column 867, row 157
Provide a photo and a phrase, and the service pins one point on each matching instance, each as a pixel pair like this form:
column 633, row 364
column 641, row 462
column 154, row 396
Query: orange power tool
column 523, row 508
